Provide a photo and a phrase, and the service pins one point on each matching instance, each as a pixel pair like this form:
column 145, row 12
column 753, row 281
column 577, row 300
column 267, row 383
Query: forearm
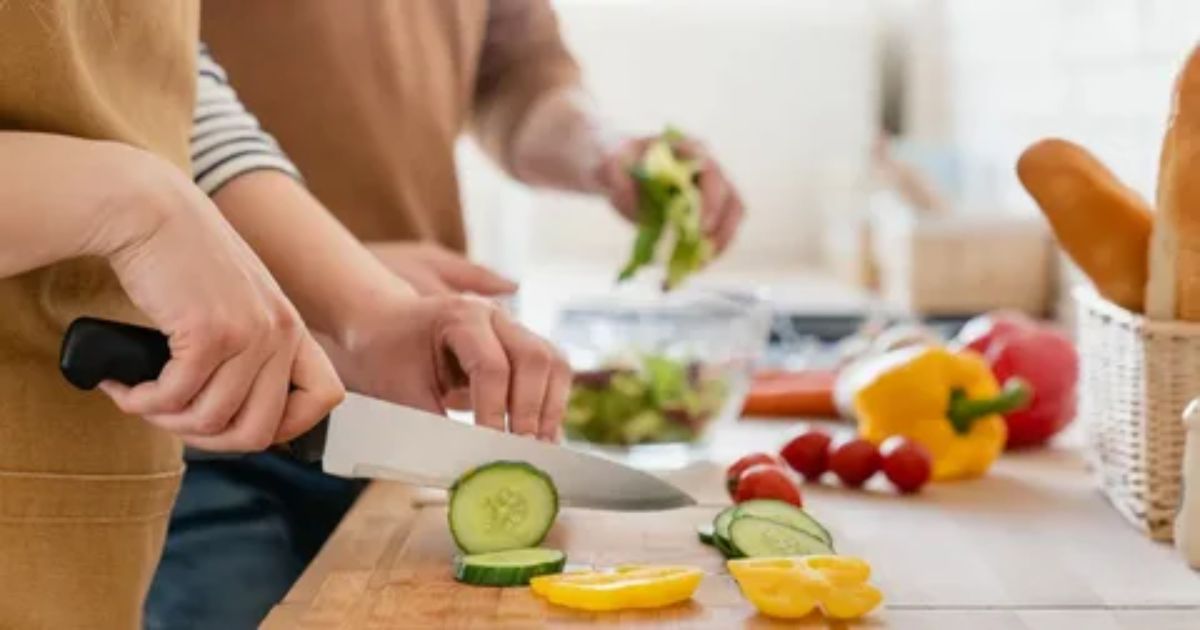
column 330, row 277
column 562, row 142
column 63, row 197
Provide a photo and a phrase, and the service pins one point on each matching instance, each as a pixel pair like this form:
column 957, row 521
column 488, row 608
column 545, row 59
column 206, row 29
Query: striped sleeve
column 227, row 140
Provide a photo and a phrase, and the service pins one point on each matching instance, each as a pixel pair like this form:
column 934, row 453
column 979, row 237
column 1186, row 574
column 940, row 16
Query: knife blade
column 374, row 438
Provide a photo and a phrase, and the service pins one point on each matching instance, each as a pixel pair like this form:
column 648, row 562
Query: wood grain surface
column 1032, row 547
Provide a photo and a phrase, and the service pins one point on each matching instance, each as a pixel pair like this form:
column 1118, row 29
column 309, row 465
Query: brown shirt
column 369, row 96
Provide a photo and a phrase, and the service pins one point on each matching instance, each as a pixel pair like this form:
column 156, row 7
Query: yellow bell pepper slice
column 791, row 588
column 626, row 588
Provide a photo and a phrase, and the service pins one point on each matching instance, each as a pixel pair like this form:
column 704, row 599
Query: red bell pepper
column 1015, row 345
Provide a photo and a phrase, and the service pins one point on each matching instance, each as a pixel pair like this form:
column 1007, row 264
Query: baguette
column 1102, row 225
column 1173, row 290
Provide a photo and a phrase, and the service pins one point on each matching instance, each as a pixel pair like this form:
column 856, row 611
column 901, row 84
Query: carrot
column 807, row 393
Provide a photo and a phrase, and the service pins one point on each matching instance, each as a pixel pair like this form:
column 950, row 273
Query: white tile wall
column 999, row 74
column 1095, row 71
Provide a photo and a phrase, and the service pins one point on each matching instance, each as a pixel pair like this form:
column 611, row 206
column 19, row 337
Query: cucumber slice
column 721, row 533
column 757, row 537
column 785, row 514
column 705, row 532
column 722, row 521
column 508, row 568
column 501, row 506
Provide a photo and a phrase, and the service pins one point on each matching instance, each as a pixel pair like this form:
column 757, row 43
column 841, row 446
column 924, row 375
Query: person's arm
column 534, row 117
column 385, row 341
column 235, row 342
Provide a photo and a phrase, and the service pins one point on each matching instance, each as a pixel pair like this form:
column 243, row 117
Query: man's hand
column 721, row 206
column 434, row 270
column 453, row 351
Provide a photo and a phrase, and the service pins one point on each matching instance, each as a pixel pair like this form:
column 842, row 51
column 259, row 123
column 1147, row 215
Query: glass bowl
column 656, row 373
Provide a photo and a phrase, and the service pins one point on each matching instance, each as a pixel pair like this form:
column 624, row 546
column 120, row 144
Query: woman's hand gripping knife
column 236, row 341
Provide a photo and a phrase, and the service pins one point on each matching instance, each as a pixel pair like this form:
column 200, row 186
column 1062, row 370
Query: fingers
column 509, row 371
column 316, row 391
column 721, row 204
column 195, row 356
column 213, row 410
column 531, row 363
column 463, row 276
column 253, row 426
column 618, row 183
column 472, row 341
column 731, row 215
column 554, row 407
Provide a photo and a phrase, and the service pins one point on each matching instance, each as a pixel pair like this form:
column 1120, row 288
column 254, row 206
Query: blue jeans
column 242, row 531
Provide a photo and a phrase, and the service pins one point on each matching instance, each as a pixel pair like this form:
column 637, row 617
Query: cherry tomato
column 855, row 461
column 808, row 454
column 767, row 481
column 907, row 464
column 734, row 472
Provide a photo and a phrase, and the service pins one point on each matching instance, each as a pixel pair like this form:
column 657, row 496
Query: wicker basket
column 1136, row 377
column 960, row 264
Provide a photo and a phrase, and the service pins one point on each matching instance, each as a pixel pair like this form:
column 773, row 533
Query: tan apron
column 84, row 490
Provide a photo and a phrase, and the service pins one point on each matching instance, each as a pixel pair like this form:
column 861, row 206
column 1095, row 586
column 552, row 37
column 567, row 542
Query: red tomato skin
column 907, row 464
column 808, row 454
column 855, row 461
column 767, row 481
column 735, row 470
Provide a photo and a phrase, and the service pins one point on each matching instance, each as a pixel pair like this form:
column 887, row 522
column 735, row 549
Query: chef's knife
column 373, row 438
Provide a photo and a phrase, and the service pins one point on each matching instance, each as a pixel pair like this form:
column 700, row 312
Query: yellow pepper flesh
column 911, row 397
column 627, row 587
column 792, row 588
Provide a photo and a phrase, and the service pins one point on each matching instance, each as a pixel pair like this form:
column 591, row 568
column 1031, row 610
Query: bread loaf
column 1102, row 225
column 1173, row 291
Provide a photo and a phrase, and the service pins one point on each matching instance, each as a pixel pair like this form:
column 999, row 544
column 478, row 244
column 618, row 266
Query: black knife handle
column 95, row 350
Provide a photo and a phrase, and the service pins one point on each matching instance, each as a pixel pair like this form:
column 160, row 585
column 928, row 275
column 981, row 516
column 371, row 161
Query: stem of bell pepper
column 963, row 411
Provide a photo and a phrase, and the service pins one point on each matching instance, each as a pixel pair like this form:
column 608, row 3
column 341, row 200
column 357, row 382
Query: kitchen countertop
column 1032, row 547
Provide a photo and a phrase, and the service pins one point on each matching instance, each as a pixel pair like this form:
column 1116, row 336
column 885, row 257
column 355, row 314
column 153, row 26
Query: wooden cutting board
column 412, row 585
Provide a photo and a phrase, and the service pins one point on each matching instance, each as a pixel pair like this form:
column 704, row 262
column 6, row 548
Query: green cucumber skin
column 706, row 533
column 725, row 546
column 748, row 533
column 721, row 533
column 469, row 570
column 785, row 514
column 475, row 474
column 722, row 521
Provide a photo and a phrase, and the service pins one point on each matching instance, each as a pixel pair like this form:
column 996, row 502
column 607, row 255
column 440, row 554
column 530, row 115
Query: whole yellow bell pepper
column 947, row 401
column 627, row 587
column 792, row 588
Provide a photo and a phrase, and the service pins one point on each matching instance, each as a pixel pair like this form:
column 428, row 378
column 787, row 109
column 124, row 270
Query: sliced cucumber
column 785, row 514
column 508, row 568
column 705, row 532
column 501, row 506
column 721, row 533
column 757, row 537
column 722, row 521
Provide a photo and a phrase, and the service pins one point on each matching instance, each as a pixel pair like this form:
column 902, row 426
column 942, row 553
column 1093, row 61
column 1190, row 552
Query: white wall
column 1098, row 72
column 783, row 90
